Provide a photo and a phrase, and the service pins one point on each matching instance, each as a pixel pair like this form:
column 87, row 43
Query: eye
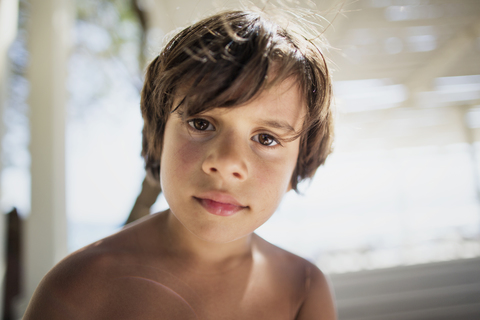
column 200, row 124
column 265, row 139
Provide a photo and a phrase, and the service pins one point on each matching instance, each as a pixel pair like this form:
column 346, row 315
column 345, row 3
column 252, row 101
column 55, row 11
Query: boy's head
column 227, row 60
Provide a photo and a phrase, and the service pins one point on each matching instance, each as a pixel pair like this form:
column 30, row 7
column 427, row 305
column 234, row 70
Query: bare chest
column 248, row 293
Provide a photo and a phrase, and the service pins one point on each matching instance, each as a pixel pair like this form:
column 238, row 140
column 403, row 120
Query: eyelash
column 277, row 143
column 191, row 124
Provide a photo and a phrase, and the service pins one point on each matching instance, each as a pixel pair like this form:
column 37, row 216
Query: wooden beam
column 443, row 59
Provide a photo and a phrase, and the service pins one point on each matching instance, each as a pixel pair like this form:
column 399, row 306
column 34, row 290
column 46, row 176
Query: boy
column 237, row 112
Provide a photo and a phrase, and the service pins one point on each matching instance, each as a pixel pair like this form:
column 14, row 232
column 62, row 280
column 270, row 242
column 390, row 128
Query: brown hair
column 226, row 60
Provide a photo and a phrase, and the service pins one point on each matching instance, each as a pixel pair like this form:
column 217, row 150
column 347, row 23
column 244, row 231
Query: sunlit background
column 401, row 189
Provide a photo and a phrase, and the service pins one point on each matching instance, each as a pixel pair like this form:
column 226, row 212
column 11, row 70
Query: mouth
column 220, row 204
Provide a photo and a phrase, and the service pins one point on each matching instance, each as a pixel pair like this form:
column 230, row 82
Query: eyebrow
column 282, row 125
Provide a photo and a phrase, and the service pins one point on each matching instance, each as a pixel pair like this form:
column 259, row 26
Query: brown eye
column 200, row 124
column 265, row 139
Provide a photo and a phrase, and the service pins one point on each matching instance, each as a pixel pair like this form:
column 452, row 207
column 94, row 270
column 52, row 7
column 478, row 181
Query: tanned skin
column 135, row 274
column 223, row 173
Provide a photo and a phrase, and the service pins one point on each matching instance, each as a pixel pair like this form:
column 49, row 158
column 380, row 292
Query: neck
column 189, row 247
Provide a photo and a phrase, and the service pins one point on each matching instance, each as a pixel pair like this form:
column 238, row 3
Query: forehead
column 283, row 101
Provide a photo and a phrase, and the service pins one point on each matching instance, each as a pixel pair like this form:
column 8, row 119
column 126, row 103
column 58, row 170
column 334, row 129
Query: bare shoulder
column 81, row 284
column 319, row 301
column 312, row 285
column 72, row 284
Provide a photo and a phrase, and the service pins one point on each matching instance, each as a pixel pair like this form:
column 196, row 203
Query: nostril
column 237, row 175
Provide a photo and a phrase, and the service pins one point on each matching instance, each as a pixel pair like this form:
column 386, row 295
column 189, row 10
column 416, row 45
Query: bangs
column 227, row 60
column 232, row 61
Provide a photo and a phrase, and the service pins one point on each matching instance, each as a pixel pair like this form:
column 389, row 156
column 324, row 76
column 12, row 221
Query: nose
column 226, row 159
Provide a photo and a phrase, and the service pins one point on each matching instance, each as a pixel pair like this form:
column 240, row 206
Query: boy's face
column 225, row 171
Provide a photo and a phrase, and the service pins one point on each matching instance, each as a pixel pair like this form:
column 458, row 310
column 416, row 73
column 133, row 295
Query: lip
column 220, row 204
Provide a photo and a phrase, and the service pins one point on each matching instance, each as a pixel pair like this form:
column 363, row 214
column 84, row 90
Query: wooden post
column 8, row 27
column 49, row 33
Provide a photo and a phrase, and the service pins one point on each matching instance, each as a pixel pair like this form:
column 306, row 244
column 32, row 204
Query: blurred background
column 394, row 215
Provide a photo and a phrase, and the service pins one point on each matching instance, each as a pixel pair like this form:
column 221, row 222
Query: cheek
column 188, row 156
column 265, row 175
column 179, row 158
column 274, row 176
